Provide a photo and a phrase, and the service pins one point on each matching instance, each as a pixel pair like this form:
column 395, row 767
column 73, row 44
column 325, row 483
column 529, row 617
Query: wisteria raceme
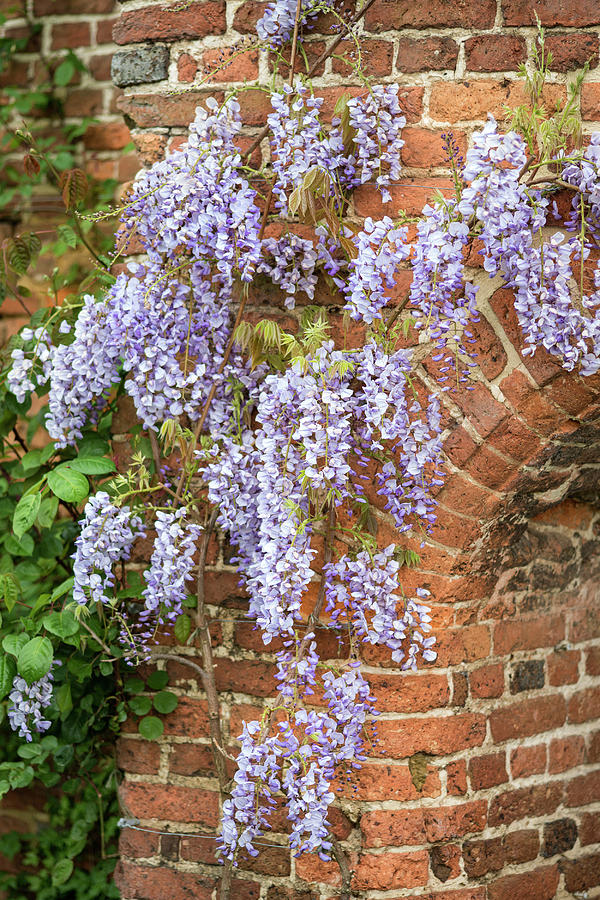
column 171, row 565
column 291, row 265
column 106, row 537
column 380, row 249
column 32, row 366
column 377, row 121
column 276, row 25
column 366, row 590
column 27, row 703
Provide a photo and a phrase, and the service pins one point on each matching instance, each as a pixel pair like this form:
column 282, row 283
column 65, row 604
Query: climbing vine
column 287, row 440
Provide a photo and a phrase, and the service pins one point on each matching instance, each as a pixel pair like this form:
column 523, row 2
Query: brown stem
column 342, row 861
column 397, row 312
column 314, row 68
column 295, row 41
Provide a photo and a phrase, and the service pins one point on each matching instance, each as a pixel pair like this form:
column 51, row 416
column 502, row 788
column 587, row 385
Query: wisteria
column 286, row 437
column 27, row 703
column 106, row 537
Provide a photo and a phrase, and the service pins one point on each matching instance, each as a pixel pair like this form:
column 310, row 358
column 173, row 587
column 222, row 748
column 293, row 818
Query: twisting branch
column 345, row 870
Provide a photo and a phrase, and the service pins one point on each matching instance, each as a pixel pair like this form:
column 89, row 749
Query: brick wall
column 506, row 724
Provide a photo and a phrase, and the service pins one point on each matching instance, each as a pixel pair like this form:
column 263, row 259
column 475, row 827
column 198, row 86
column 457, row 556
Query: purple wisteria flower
column 27, row 703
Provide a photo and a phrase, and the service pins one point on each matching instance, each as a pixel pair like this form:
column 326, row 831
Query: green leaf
column 23, row 547
column 140, row 705
column 92, row 465
column 13, row 643
column 68, row 235
column 47, row 512
column 64, row 701
column 165, row 702
column 68, row 484
column 31, row 460
column 158, row 680
column 62, row 589
column 25, row 513
column 9, row 591
column 92, row 445
column 105, row 667
column 151, row 728
column 182, row 628
column 35, row 659
column 8, row 670
column 63, row 624
column 62, row 872
column 134, row 685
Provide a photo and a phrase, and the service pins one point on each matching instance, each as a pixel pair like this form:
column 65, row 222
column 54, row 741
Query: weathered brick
column 156, row 883
column 559, row 836
column 141, row 757
column 528, row 717
column 563, row 667
column 495, row 52
column 487, row 771
column 482, row 857
column 170, row 23
column 521, row 846
column 397, row 14
column 582, row 873
column 441, row 736
column 575, row 13
column 456, row 778
column 487, row 681
column 385, row 828
column 583, row 790
column 169, row 801
column 527, row 675
column 528, row 634
column 584, row 705
column 571, row 51
column 423, row 54
column 538, row 800
column 526, row 761
column 540, row 884
column 391, row 870
column 589, row 829
column 140, row 65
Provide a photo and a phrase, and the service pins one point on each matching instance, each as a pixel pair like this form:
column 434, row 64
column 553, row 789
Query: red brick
column 566, row 753
column 388, row 782
column 528, row 634
column 391, row 870
column 487, row 771
column 191, row 759
column 585, row 621
column 540, row 884
column 526, row 761
column 224, row 64
column 530, row 406
column 574, row 13
column 140, row 757
column 538, row 800
column 104, row 31
column 563, row 667
column 377, row 57
column 571, row 51
column 482, row 857
column 489, row 468
column 456, row 778
column 148, row 110
column 169, row 801
column 584, row 706
column 385, row 828
column 472, row 893
column 409, row 194
column 138, row 844
column 386, row 16
column 70, row 34
column 406, row 737
column 108, row 136
column 594, row 748
column 84, row 102
column 397, row 692
column 186, row 68
column 541, row 365
column 424, row 148
column 581, row 874
column 150, row 147
column 169, row 23
column 247, row 15
column 589, row 829
column 584, row 790
column 521, row 846
column 487, row 681
column 495, row 52
column 528, row 717
column 590, row 101
column 423, row 54
column 99, row 67
column 592, row 661
column 157, row 883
